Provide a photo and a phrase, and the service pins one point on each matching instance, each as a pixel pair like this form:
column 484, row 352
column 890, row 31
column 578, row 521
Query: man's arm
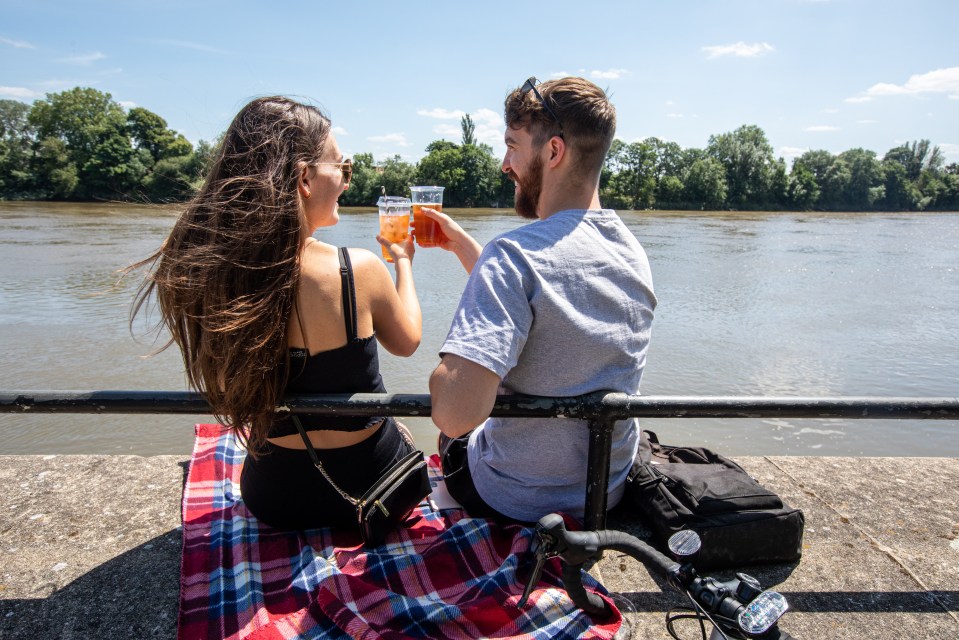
column 462, row 393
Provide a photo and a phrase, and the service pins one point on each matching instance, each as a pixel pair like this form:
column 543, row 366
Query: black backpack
column 739, row 521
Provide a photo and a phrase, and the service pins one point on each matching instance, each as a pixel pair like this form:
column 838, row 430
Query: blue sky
column 814, row 74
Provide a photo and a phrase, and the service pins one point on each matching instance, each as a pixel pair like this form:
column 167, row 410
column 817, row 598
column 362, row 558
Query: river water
column 779, row 304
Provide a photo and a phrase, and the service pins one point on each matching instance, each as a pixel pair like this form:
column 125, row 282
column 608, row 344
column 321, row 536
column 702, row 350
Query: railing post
column 597, row 472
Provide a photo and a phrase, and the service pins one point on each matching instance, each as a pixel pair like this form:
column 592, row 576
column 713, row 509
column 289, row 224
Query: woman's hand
column 455, row 239
column 398, row 250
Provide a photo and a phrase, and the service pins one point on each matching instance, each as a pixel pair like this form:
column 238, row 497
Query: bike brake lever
column 541, row 546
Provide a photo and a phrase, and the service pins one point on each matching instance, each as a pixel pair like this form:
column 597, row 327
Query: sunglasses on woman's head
column 530, row 85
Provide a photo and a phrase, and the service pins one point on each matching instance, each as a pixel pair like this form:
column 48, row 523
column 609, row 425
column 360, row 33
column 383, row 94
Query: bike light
column 762, row 613
column 684, row 544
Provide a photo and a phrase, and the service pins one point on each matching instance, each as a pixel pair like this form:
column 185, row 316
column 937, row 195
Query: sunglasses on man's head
column 346, row 167
column 530, row 85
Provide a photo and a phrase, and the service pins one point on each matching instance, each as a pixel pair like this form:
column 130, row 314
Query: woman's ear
column 303, row 184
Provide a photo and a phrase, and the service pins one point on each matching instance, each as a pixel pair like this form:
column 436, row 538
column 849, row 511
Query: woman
column 259, row 308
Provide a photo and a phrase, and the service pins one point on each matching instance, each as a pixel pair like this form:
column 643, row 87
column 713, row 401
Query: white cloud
column 84, row 59
column 185, row 44
column 398, row 139
column 489, row 126
column 340, row 131
column 127, row 104
column 822, row 127
column 442, row 114
column 858, row 99
column 675, row 115
column 740, row 50
column 19, row 92
column 949, row 151
column 448, row 131
column 938, row 81
column 609, row 74
column 565, row 74
column 791, row 153
column 866, row 121
column 18, row 44
column 59, row 85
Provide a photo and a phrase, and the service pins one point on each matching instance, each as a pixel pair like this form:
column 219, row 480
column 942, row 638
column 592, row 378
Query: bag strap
column 319, row 465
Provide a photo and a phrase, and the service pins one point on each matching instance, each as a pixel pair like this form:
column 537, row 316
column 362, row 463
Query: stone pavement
column 90, row 548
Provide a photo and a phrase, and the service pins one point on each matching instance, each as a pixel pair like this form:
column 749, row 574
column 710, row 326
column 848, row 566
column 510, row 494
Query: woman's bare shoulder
column 366, row 263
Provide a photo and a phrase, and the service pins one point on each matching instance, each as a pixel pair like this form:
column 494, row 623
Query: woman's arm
column 397, row 319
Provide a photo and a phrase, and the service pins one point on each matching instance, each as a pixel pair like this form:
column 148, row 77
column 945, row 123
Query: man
column 559, row 307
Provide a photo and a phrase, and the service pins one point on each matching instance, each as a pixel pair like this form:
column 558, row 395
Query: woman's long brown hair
column 226, row 278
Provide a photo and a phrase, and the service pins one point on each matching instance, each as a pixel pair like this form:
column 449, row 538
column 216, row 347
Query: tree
column 706, row 184
column 365, row 186
column 481, row 180
column 747, row 157
column 396, row 176
column 442, row 166
column 469, row 130
column 94, row 130
column 916, row 157
column 778, row 193
column 16, row 153
column 669, row 193
column 817, row 163
column 54, row 170
column 802, row 191
column 834, row 185
column 632, row 184
column 149, row 131
column 899, row 193
column 865, row 177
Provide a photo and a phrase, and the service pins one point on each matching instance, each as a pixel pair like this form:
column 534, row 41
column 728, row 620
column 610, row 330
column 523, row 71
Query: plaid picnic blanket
column 445, row 576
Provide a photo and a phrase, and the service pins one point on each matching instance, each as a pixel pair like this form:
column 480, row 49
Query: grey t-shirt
column 558, row 307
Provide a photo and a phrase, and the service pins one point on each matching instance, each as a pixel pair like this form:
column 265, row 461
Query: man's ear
column 557, row 151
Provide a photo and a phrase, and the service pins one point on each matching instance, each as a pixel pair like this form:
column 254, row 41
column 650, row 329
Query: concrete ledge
column 90, row 548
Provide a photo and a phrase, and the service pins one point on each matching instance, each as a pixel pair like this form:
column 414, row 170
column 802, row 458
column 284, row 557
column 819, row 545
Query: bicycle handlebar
column 724, row 603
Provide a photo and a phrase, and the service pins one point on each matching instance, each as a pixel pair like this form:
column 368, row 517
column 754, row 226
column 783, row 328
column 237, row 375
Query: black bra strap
column 349, row 297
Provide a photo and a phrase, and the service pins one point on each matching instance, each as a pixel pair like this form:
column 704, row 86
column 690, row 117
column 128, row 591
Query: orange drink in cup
column 426, row 231
column 394, row 221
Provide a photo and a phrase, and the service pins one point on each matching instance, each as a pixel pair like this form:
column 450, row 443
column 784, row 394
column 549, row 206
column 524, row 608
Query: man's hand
column 456, row 239
column 463, row 394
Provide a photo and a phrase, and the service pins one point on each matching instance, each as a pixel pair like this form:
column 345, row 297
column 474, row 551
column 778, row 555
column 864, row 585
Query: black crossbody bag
column 391, row 498
column 739, row 521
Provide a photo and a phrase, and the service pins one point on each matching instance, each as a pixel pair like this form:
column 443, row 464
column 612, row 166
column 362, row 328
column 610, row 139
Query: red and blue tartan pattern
column 444, row 575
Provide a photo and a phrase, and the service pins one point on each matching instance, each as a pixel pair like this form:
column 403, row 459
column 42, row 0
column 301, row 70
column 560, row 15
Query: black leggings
column 282, row 488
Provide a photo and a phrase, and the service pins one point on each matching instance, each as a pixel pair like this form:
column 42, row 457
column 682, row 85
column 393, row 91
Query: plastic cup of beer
column 394, row 220
column 426, row 231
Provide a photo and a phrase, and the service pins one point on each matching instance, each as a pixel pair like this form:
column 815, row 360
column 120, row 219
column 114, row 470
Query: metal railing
column 600, row 410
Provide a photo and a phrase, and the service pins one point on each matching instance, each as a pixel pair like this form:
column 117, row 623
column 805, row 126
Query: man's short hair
column 588, row 118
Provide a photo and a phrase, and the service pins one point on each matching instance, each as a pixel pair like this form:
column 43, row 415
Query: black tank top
column 352, row 368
